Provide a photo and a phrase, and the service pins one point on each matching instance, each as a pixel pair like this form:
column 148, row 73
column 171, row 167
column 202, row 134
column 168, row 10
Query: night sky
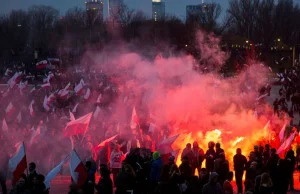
column 174, row 7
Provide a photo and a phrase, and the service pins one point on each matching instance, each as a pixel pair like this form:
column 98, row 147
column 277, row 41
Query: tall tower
column 113, row 7
column 158, row 10
column 94, row 9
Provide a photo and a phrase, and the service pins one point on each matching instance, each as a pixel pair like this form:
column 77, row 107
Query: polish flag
column 14, row 79
column 23, row 85
column 78, row 89
column 46, row 85
column 50, row 75
column 96, row 113
column 78, row 126
column 4, row 125
column 99, row 99
column 51, row 98
column 103, row 143
column 18, row 164
column 287, row 143
column 46, row 80
column 63, row 93
column 35, row 135
column 53, row 173
column 32, row 90
column 87, row 94
column 9, row 110
column 68, row 86
column 165, row 146
column 31, row 108
column 134, row 119
column 45, row 103
column 8, row 72
column 42, row 64
column 72, row 117
column 78, row 171
column 75, row 107
column 82, row 82
column 152, row 127
column 282, row 131
column 19, row 117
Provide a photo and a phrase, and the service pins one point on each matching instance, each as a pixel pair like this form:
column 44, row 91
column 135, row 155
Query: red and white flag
column 4, row 125
column 78, row 126
column 35, row 135
column 78, row 89
column 99, row 99
column 287, row 143
column 18, row 164
column 53, row 173
column 96, row 113
column 14, row 79
column 103, row 143
column 45, row 86
column 8, row 72
column 45, row 104
column 51, row 99
column 31, row 111
column 19, row 117
column 32, row 90
column 63, row 94
column 10, row 109
column 134, row 119
column 42, row 64
column 23, row 85
column 165, row 146
column 87, row 94
column 72, row 117
column 282, row 131
column 68, row 86
column 75, row 107
column 78, row 171
column 82, row 82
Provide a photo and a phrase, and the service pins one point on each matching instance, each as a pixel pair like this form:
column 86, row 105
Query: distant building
column 94, row 9
column 158, row 10
column 114, row 6
column 195, row 10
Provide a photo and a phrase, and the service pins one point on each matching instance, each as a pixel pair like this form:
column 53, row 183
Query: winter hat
column 155, row 155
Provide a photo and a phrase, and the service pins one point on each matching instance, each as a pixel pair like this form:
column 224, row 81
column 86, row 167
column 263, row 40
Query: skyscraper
column 94, row 9
column 194, row 11
column 113, row 7
column 158, row 10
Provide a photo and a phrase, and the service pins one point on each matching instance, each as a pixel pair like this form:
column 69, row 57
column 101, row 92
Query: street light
column 278, row 40
column 186, row 45
column 19, row 25
column 247, row 41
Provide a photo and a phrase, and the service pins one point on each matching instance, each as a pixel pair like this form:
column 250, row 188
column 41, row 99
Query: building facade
column 158, row 10
column 113, row 7
column 94, row 9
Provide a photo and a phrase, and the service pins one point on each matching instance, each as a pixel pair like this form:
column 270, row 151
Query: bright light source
column 250, row 44
column 247, row 41
column 19, row 25
column 186, row 45
column 278, row 39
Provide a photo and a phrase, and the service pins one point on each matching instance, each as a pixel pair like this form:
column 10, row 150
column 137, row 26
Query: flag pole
column 26, row 159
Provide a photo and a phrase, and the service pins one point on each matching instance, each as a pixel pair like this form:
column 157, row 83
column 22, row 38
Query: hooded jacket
column 211, row 187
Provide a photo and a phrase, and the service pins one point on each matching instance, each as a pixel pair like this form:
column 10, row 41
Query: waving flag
column 96, row 113
column 134, row 119
column 18, row 164
column 68, row 86
column 287, row 143
column 15, row 79
column 35, row 135
column 32, row 90
column 10, row 109
column 99, row 99
column 53, row 173
column 45, row 103
column 78, row 126
column 31, row 111
column 72, row 117
column 42, row 64
column 63, row 93
column 165, row 146
column 4, row 125
column 45, row 86
column 281, row 133
column 78, row 172
column 78, row 89
column 87, row 94
column 103, row 143
column 75, row 107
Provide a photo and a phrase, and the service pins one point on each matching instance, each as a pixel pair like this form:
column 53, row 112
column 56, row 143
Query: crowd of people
column 133, row 158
